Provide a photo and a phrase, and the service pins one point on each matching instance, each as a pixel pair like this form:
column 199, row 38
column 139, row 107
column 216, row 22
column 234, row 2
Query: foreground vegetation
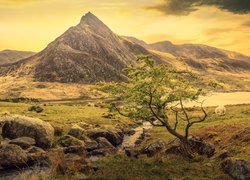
column 225, row 132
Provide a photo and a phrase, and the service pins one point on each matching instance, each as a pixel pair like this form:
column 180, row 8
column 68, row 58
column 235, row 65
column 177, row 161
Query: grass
column 158, row 167
column 14, row 87
column 219, row 130
column 226, row 132
column 65, row 115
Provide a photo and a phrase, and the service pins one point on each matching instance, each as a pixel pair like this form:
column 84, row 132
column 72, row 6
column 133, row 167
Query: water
column 129, row 141
column 222, row 99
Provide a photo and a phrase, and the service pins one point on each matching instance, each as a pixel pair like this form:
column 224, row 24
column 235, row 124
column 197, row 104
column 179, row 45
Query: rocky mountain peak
column 90, row 19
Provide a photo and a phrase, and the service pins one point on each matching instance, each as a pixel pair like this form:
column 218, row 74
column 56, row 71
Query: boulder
column 84, row 125
column 104, row 143
column 129, row 132
column 58, row 129
column 104, row 147
column 80, row 150
column 37, row 109
column 23, row 142
column 131, row 152
column 34, row 149
column 20, row 126
column 67, row 141
column 201, row 147
column 153, row 148
column 38, row 157
column 76, row 131
column 237, row 169
column 114, row 137
column 12, row 156
column 91, row 145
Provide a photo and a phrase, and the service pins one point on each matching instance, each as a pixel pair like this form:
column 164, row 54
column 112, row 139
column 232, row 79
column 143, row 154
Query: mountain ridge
column 90, row 52
column 8, row 56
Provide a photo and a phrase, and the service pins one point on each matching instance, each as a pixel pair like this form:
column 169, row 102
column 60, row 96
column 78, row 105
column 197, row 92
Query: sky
column 31, row 24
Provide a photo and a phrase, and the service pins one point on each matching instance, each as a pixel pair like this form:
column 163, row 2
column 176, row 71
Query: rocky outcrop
column 19, row 126
column 201, row 147
column 76, row 131
column 12, row 156
column 37, row 109
column 237, row 169
column 153, row 148
column 67, row 141
column 23, row 142
column 114, row 137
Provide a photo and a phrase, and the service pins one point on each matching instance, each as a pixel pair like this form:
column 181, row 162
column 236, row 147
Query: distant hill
column 11, row 56
column 198, row 56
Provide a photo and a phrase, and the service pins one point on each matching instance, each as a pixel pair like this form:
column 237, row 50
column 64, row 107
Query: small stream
column 130, row 141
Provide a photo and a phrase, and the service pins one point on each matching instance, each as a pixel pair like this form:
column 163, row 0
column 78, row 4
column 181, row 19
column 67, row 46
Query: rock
column 23, row 142
column 84, row 125
column 76, row 131
column 131, row 152
column 35, row 149
column 129, row 132
column 67, row 141
column 153, row 148
column 108, row 116
column 80, row 150
column 21, row 126
column 175, row 149
column 37, row 109
column 5, row 141
column 201, row 147
column 91, row 145
column 98, row 152
column 104, row 147
column 12, row 156
column 38, row 157
column 104, row 143
column 58, row 130
column 32, row 108
column 208, row 149
column 113, row 137
column 237, row 169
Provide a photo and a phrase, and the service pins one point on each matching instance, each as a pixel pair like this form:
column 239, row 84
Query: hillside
column 11, row 56
column 198, row 56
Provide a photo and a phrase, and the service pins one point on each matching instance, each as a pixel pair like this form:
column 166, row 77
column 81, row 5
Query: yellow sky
column 32, row 24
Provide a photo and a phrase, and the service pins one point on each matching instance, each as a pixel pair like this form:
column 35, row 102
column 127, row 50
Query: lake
column 216, row 99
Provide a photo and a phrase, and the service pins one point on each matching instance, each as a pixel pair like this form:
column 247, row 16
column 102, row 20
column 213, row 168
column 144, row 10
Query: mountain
column 87, row 53
column 11, row 56
column 90, row 52
column 198, row 56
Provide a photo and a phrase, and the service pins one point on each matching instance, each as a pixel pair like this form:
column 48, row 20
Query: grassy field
column 225, row 132
column 65, row 113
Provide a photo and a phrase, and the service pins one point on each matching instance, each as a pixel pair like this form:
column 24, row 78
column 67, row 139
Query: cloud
column 10, row 3
column 185, row 7
column 246, row 24
column 217, row 31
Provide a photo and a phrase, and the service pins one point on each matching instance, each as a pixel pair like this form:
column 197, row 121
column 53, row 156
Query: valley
column 56, row 122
